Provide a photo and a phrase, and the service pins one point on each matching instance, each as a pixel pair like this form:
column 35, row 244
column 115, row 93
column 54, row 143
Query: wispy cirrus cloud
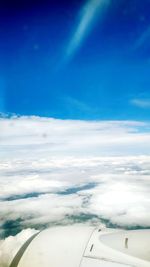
column 141, row 103
column 89, row 13
column 143, row 38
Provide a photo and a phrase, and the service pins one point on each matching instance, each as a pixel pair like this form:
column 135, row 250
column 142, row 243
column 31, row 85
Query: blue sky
column 75, row 59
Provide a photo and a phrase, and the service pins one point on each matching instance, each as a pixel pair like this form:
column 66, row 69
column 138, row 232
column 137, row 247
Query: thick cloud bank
column 55, row 171
column 38, row 137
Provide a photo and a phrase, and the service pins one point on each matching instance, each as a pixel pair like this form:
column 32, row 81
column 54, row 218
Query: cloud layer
column 29, row 137
column 55, row 171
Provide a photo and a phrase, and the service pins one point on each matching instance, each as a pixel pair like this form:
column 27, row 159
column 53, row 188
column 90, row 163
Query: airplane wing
column 85, row 246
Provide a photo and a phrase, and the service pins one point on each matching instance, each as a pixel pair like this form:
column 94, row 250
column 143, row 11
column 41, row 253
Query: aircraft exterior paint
column 85, row 246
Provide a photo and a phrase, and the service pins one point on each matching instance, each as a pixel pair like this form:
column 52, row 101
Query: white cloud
column 123, row 199
column 90, row 11
column 121, row 195
column 27, row 137
column 10, row 246
column 143, row 38
column 41, row 158
column 141, row 103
